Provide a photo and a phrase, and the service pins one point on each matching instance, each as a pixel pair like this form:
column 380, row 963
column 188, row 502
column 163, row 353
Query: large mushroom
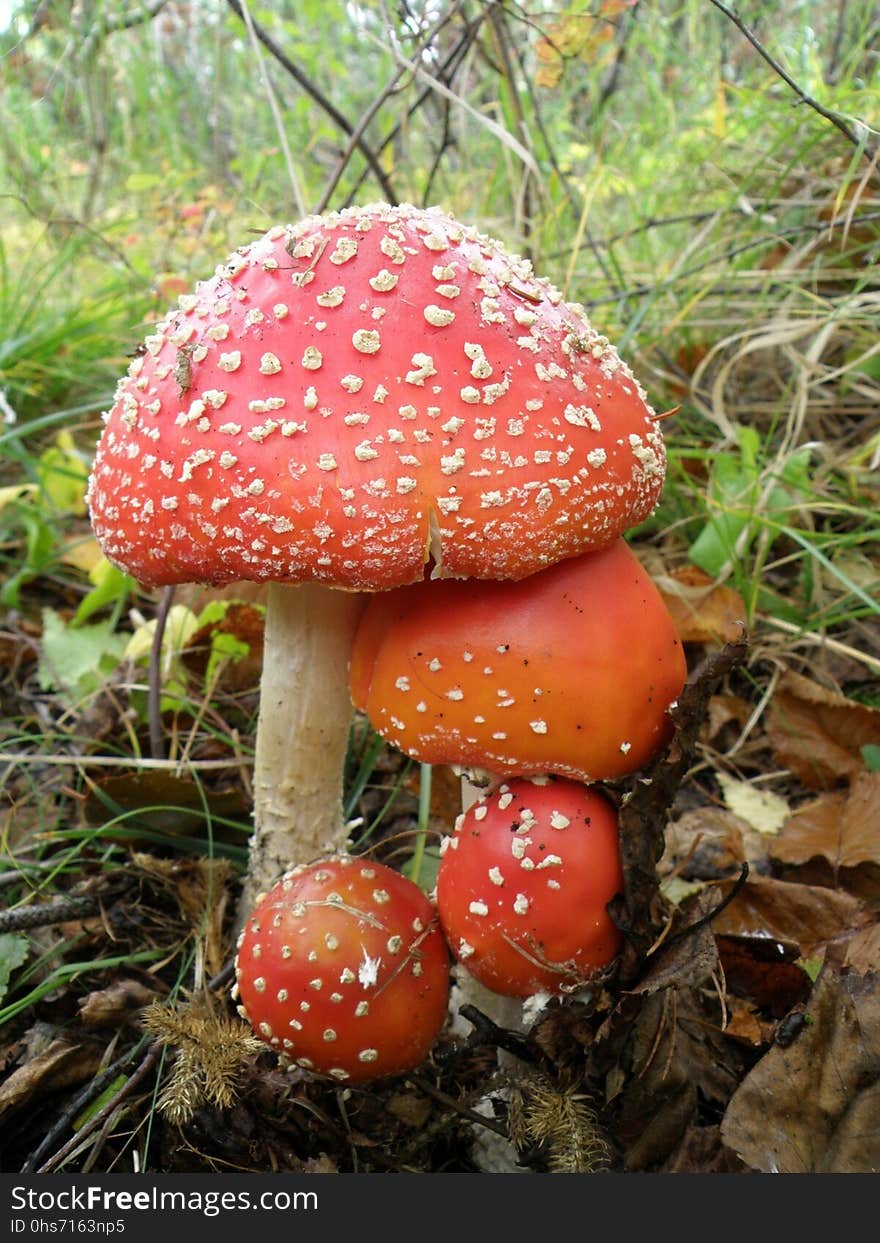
column 345, row 400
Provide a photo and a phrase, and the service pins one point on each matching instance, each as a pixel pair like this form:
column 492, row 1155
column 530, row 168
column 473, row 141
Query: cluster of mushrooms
column 431, row 458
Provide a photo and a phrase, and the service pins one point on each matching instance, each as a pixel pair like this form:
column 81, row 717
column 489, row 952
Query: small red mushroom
column 571, row 671
column 342, row 969
column 524, row 884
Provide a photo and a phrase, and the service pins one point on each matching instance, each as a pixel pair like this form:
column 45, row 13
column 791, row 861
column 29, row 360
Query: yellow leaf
column 762, row 809
column 16, row 492
column 64, row 475
column 180, row 625
column 83, row 554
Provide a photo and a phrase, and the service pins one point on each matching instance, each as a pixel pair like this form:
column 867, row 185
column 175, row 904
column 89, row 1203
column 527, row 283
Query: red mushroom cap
column 524, row 883
column 570, row 671
column 343, row 969
column 348, row 396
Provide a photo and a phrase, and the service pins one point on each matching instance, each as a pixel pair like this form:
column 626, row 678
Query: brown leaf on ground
column 841, row 826
column 690, row 959
column 642, row 911
column 163, row 802
column 808, row 915
column 115, row 1005
column 727, row 710
column 814, row 1107
column 703, row 611
column 819, row 734
column 759, row 969
column 704, row 844
column 744, row 1024
column 675, row 1057
column 241, row 623
column 61, row 1065
column 701, row 1151
column 863, row 950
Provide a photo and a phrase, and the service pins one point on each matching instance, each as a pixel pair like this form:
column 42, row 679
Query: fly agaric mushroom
column 342, row 969
column 524, row 883
column 342, row 401
column 570, row 671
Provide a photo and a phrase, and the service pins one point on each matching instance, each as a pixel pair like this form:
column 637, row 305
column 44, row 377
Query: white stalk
column 302, row 732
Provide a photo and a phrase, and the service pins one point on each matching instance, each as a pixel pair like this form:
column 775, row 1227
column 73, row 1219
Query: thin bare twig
column 77, row 1104
column 125, row 761
column 424, row 1085
column 320, row 99
column 446, row 73
column 503, row 41
column 154, row 694
column 829, row 114
column 47, row 913
column 385, row 94
column 147, row 1062
column 274, row 108
column 612, row 80
column 723, row 258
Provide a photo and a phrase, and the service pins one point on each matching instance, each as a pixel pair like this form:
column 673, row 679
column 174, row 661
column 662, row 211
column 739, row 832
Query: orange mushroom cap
column 349, row 395
column 524, row 883
column 570, row 671
column 342, row 968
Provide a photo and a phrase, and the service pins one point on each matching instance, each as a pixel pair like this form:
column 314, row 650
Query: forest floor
column 744, row 1035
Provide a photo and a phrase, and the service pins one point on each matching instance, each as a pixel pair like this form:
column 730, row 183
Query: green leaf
column 95, row 1106
column 110, row 585
column 13, row 951
column 871, row 756
column 40, row 539
column 135, row 182
column 731, row 496
column 77, row 660
column 63, row 476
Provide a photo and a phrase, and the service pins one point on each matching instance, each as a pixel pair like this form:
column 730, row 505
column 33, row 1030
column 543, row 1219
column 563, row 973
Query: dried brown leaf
column 116, row 1004
column 704, row 844
column 743, row 1024
column 764, row 971
column 842, row 827
column 703, row 611
column 689, row 960
column 814, row 1107
column 727, row 710
column 676, row 1057
column 645, row 810
column 163, row 802
column 702, row 1152
column 819, row 734
column 59, row 1066
column 863, row 950
column 808, row 915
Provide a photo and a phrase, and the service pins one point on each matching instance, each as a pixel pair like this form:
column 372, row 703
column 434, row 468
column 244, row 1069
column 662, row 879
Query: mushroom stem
column 302, row 732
